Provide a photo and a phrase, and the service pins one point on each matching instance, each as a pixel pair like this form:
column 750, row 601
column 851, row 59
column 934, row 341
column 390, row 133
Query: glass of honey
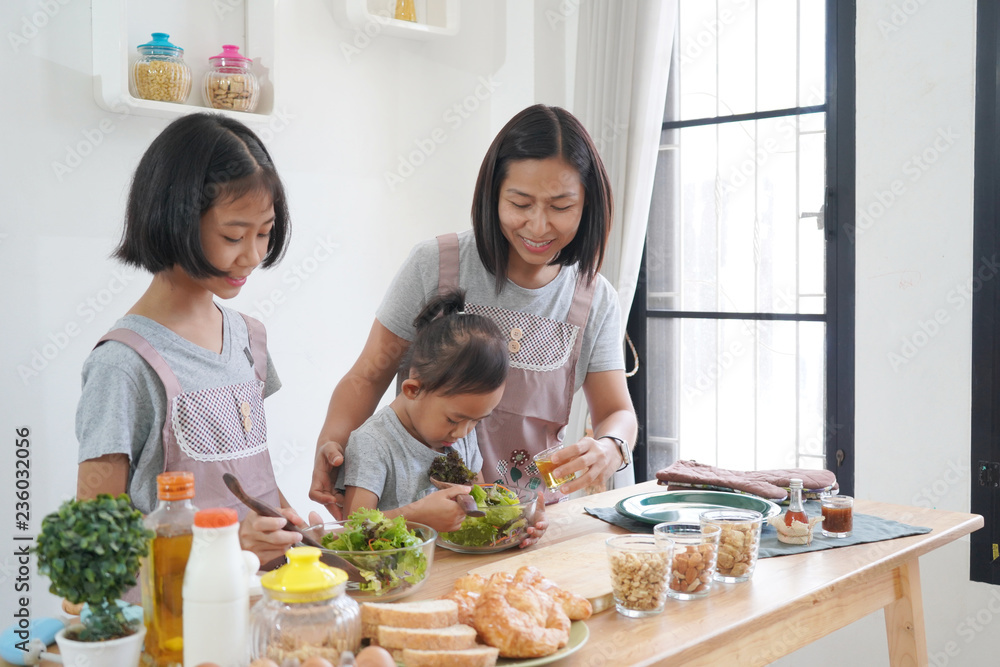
column 838, row 515
column 543, row 461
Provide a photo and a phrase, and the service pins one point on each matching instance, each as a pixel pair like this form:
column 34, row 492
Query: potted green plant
column 91, row 551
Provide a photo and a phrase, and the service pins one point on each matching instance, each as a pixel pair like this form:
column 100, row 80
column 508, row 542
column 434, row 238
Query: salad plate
column 687, row 506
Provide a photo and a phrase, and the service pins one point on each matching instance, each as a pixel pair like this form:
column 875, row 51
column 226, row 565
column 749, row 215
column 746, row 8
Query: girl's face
column 541, row 202
column 234, row 237
column 438, row 421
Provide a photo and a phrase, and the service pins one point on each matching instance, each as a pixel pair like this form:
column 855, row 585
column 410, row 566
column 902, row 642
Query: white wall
column 341, row 124
column 915, row 113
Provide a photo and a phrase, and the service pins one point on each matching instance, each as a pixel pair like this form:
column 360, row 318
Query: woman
column 541, row 215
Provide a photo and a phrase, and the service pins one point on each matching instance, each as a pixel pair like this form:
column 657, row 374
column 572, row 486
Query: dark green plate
column 687, row 506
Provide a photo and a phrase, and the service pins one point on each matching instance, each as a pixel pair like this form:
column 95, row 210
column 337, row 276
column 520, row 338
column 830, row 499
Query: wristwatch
column 623, row 447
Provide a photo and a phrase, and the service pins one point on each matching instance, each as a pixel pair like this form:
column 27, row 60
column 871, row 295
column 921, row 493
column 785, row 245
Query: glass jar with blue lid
column 160, row 72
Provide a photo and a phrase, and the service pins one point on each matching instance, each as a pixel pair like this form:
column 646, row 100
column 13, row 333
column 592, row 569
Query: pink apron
column 214, row 431
column 534, row 410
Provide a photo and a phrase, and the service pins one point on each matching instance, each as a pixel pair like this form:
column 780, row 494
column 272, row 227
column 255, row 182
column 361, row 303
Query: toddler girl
column 179, row 382
column 457, row 368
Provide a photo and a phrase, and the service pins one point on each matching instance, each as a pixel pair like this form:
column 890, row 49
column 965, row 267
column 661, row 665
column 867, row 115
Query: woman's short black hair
column 455, row 352
column 537, row 133
column 198, row 161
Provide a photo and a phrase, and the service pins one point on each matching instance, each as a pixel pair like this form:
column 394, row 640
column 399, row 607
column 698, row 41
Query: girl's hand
column 440, row 510
column 597, row 459
column 537, row 529
column 329, row 458
column 265, row 536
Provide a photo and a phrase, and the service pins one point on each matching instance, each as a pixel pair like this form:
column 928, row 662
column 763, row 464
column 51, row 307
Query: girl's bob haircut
column 198, row 161
column 537, row 133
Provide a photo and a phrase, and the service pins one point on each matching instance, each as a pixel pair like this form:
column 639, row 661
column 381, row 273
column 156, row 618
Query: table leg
column 904, row 619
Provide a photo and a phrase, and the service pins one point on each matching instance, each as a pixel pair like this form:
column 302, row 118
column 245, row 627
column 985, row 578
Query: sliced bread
column 480, row 656
column 423, row 614
column 452, row 638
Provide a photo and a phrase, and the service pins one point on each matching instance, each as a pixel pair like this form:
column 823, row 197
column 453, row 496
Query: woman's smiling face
column 541, row 203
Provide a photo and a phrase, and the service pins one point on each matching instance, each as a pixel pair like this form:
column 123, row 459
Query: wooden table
column 790, row 602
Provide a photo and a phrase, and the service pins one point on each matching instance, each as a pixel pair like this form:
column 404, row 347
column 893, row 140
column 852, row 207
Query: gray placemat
column 867, row 528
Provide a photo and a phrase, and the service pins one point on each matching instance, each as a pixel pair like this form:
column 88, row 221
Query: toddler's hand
column 440, row 510
column 537, row 529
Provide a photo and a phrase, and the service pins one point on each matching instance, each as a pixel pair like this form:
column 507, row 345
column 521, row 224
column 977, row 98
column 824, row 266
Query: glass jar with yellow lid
column 304, row 612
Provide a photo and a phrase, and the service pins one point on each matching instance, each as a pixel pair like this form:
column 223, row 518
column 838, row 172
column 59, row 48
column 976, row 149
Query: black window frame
column 985, row 428
column 840, row 280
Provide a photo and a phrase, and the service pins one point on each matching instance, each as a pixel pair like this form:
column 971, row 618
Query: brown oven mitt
column 770, row 484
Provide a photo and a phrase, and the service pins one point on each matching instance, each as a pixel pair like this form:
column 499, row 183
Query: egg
column 374, row 656
column 316, row 661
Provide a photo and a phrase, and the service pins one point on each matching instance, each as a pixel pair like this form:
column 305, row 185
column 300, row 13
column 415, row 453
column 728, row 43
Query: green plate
column 578, row 635
column 687, row 506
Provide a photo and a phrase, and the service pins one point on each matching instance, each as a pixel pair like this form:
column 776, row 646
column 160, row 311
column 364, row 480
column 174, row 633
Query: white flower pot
column 122, row 652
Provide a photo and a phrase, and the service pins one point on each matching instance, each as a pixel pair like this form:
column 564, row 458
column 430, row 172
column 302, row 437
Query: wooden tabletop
column 790, row 602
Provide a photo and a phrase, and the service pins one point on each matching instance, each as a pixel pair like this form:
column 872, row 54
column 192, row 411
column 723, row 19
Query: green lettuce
column 368, row 530
column 503, row 520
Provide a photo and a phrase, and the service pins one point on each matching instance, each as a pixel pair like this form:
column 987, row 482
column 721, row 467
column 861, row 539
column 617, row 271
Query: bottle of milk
column 216, row 593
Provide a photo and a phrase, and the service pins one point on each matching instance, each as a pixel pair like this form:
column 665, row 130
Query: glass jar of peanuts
column 229, row 83
column 305, row 612
column 160, row 73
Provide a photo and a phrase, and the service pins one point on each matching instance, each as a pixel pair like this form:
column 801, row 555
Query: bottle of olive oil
column 163, row 568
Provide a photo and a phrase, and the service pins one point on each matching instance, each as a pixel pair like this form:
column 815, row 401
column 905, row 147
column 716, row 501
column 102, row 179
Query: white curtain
column 622, row 61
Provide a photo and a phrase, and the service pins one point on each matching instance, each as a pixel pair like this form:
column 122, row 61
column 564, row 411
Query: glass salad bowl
column 393, row 556
column 509, row 512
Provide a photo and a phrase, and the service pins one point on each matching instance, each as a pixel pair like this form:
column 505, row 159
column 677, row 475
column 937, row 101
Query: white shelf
column 112, row 54
column 435, row 18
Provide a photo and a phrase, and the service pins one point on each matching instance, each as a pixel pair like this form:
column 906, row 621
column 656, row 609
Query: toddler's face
column 234, row 237
column 441, row 420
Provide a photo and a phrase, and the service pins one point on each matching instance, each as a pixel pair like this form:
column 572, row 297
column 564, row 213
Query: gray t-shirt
column 417, row 282
column 123, row 404
column 382, row 457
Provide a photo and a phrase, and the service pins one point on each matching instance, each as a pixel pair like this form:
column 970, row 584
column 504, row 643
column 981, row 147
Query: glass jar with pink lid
column 229, row 83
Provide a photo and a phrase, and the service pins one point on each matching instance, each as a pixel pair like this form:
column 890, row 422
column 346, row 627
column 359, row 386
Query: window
column 744, row 313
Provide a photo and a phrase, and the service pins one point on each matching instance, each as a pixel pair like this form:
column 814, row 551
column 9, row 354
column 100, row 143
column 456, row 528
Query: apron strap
column 447, row 262
column 258, row 346
column 579, row 312
column 171, row 385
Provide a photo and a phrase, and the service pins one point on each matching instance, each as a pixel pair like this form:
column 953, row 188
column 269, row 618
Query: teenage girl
column 179, row 382
column 541, row 214
column 457, row 366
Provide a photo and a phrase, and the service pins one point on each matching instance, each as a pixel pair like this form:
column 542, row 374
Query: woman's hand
column 439, row 510
column 329, row 458
column 537, row 529
column 595, row 460
column 265, row 536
